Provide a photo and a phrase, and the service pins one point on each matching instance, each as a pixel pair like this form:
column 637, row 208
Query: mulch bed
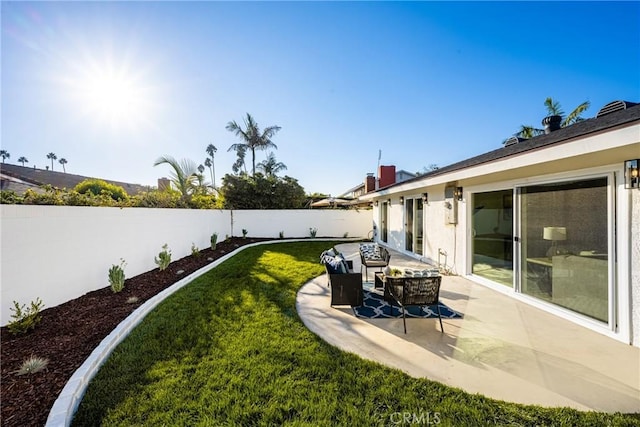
column 69, row 332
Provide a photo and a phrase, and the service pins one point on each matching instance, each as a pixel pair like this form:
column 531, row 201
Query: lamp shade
column 554, row 233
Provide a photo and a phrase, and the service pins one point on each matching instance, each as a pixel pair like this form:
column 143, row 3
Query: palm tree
column 53, row 157
column 239, row 163
column 63, row 162
column 183, row 175
column 252, row 138
column 23, row 160
column 200, row 169
column 199, row 186
column 554, row 109
column 211, row 150
column 5, row 155
column 271, row 167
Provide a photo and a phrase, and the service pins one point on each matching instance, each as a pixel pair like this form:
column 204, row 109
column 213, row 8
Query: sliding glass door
column 564, row 251
column 492, row 223
column 413, row 225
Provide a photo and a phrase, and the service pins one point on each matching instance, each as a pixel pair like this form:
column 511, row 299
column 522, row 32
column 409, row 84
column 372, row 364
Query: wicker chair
column 380, row 263
column 346, row 288
column 414, row 291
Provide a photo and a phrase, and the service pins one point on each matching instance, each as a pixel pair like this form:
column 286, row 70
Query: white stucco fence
column 58, row 253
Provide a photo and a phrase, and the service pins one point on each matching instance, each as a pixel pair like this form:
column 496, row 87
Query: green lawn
column 230, row 349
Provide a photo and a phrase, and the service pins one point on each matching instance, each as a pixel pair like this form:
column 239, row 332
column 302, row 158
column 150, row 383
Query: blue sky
column 113, row 86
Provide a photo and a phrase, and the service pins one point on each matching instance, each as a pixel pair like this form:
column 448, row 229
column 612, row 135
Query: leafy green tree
column 53, row 157
column 99, row 187
column 5, row 155
column 554, row 109
column 23, row 160
column 183, row 175
column 271, row 166
column 63, row 162
column 211, row 151
column 261, row 192
column 253, row 139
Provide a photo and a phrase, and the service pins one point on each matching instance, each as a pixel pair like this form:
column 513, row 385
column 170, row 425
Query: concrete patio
column 501, row 347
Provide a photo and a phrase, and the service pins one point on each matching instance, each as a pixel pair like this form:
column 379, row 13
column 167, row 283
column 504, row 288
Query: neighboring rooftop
column 19, row 178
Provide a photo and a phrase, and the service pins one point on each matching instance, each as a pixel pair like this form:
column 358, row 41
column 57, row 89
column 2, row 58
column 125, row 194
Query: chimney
column 164, row 183
column 386, row 176
column 370, row 183
column 551, row 123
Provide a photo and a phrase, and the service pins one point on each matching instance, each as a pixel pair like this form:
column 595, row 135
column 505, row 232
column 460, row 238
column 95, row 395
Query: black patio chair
column 380, row 261
column 414, row 291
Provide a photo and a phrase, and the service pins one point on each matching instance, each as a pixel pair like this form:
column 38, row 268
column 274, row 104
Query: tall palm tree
column 239, row 164
column 252, row 138
column 23, row 160
column 53, row 157
column 200, row 169
column 5, row 155
column 211, row 151
column 271, row 167
column 63, row 162
column 183, row 175
column 555, row 109
column 208, row 163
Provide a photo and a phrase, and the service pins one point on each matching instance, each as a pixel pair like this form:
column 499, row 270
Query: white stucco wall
column 296, row 223
column 57, row 253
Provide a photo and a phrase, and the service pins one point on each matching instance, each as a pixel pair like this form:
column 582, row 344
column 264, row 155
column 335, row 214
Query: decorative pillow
column 340, row 264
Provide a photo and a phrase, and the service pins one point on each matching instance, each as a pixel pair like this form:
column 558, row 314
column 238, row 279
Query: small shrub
column 244, row 233
column 116, row 276
column 214, row 241
column 164, row 257
column 345, row 235
column 25, row 319
column 281, row 234
column 195, row 251
column 312, row 232
column 132, row 300
column 32, row 365
column 226, row 237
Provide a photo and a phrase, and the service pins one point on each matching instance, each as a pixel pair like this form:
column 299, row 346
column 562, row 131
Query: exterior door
column 492, row 223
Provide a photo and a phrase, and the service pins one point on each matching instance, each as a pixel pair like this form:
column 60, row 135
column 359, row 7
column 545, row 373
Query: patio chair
column 379, row 260
column 414, row 291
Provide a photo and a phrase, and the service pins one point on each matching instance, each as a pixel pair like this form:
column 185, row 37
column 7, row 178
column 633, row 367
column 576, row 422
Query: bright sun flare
column 112, row 94
column 113, row 98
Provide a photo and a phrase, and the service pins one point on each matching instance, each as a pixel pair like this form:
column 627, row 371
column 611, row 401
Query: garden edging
column 66, row 405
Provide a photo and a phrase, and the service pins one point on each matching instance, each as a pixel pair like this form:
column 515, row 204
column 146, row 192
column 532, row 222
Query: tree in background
column 261, row 192
column 239, row 166
column 271, row 167
column 252, row 138
column 183, row 175
column 554, row 109
column 53, row 157
column 99, row 187
column 211, row 151
column 5, row 155
column 63, row 162
column 23, row 160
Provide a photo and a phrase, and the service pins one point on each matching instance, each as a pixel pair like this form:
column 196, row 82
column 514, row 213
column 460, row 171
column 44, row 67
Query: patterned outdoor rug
column 375, row 307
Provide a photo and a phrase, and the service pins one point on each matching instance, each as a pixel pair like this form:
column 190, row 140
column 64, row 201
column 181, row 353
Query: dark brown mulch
column 69, row 332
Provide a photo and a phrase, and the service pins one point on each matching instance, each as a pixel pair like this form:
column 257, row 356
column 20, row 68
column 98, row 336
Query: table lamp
column 554, row 234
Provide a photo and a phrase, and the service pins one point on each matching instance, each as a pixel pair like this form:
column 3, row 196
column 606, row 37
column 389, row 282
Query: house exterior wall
column 57, row 253
column 599, row 154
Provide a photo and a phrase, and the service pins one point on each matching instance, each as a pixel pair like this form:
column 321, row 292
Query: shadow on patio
column 501, row 347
